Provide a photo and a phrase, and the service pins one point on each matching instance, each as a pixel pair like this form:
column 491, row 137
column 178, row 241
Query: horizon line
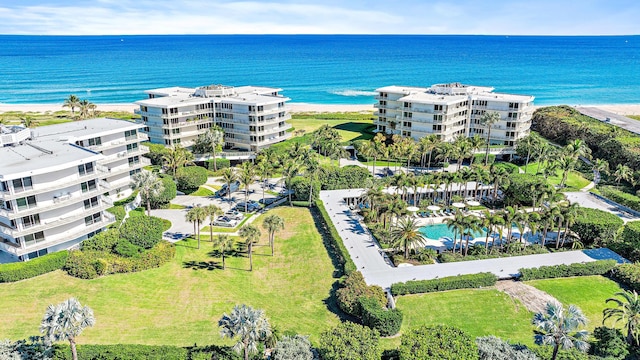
column 336, row 34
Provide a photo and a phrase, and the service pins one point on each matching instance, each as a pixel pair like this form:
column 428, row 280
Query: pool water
column 438, row 231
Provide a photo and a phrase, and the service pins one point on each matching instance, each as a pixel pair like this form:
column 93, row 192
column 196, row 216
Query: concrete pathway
column 590, row 186
column 587, row 199
column 614, row 119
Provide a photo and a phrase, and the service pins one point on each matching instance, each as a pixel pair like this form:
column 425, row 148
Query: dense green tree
column 610, row 343
column 440, row 342
column 66, row 321
column 350, row 341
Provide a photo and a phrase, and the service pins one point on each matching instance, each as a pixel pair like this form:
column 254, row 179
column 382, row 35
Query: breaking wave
column 354, row 93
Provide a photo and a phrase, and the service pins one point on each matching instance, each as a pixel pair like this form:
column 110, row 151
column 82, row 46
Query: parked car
column 234, row 214
column 225, row 221
column 251, row 206
column 224, row 191
column 267, row 200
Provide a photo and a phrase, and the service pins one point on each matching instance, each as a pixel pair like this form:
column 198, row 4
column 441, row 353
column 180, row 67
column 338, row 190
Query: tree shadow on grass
column 203, row 265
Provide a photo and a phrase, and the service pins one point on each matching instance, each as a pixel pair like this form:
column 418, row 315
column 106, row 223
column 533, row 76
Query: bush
column 122, row 351
column 519, row 192
column 348, row 177
column 621, row 197
column 189, row 178
column 628, row 274
column 440, row 342
column 545, row 352
column 156, row 152
column 220, row 163
column 125, row 248
column 119, row 213
column 599, row 267
column 469, row 281
column 25, row 270
column 144, row 231
column 126, row 200
column 169, row 192
column 293, row 348
column 386, row 322
column 610, row 343
column 628, row 243
column 494, row 348
column 84, row 264
column 511, row 168
column 352, row 288
column 479, row 158
column 596, row 226
column 300, row 186
column 340, row 251
column 104, row 241
column 349, row 341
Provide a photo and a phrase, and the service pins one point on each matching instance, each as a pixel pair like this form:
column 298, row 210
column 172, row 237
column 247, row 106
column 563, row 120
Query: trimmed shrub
column 84, row 264
column 599, row 267
column 341, row 253
column 621, row 197
column 519, row 192
column 27, row 269
column 628, row 243
column 511, row 168
column 220, row 163
column 354, row 287
column 119, row 213
column 596, row 226
column 441, row 342
column 122, row 351
column 104, row 241
column 610, row 343
column 189, row 178
column 169, row 192
column 494, row 348
column 387, row 322
column 348, row 177
column 628, row 274
column 125, row 248
column 469, row 281
column 144, row 231
column 349, row 341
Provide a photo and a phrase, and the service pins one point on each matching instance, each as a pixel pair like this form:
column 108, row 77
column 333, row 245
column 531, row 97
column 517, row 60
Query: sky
column 488, row 17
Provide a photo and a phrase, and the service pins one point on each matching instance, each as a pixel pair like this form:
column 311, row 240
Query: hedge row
column 446, row 283
column 24, row 270
column 342, row 253
column 220, row 163
column 126, row 200
column 621, row 197
column 628, row 274
column 91, row 264
column 387, row 322
column 146, row 352
column 599, row 267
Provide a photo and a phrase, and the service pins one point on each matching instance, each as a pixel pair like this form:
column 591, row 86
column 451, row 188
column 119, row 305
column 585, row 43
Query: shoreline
column 619, row 109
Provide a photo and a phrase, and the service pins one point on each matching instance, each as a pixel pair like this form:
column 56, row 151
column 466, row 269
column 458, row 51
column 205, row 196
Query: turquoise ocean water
column 324, row 69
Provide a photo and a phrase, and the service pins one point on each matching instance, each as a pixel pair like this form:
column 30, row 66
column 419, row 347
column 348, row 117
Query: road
column 616, row 120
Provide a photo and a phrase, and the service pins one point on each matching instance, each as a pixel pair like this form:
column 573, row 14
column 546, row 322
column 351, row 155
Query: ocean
column 321, row 69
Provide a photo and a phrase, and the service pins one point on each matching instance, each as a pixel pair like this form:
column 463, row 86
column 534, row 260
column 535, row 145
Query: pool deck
column 377, row 269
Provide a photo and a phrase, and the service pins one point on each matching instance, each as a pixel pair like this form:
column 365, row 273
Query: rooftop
column 83, row 129
column 432, row 98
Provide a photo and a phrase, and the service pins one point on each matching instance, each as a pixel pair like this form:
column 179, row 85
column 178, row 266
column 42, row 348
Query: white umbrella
column 458, row 204
column 413, row 208
column 433, row 207
column 473, row 203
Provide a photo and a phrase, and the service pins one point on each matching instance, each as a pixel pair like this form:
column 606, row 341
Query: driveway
column 588, row 200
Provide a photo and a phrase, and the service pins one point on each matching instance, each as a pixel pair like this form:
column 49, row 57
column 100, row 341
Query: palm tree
column 247, row 177
column 249, row 325
column 463, row 149
column 149, row 185
column 457, row 224
column 405, row 234
column 372, row 195
column 225, row 243
column 86, row 108
column 66, row 321
column 272, row 223
column 289, row 172
column 521, row 219
column 530, row 142
column 577, row 149
column 229, row 177
column 427, row 145
column 212, row 212
column 215, row 139
column 555, row 325
column 176, row 157
column 196, row 215
column 264, row 169
column 500, row 178
column 491, row 221
column 623, row 172
column 601, row 166
column 472, row 224
column 28, row 121
column 72, row 102
column 566, row 163
column 487, row 120
column 250, row 234
column 570, row 214
column 626, row 311
column 509, row 215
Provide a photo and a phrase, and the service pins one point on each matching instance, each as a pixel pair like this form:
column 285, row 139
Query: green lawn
column 575, row 181
column 636, row 117
column 205, row 230
column 181, row 302
column 350, row 125
column 589, row 293
column 202, row 191
column 478, row 312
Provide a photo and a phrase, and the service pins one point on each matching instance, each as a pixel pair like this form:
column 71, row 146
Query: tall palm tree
column 229, row 176
column 406, row 234
column 555, row 325
column 264, row 170
column 487, row 120
column 197, row 215
column 86, row 108
column 521, row 219
column 212, row 212
column 215, row 139
column 66, row 321
column 509, row 215
column 28, row 121
column 149, row 185
column 225, row 243
column 457, row 224
column 428, row 144
column 72, row 102
column 500, row 178
column 379, row 147
column 247, row 177
column 491, row 222
column 577, row 149
column 248, row 325
column 272, row 223
column 600, row 166
column 372, row 195
column 570, row 215
column 623, row 172
column 463, row 149
column 567, row 164
column 290, row 170
column 626, row 311
column 472, row 225
column 476, row 142
column 251, row 234
column 176, row 157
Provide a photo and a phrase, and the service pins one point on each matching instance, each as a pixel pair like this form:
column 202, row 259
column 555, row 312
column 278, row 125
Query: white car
column 234, row 215
column 225, row 221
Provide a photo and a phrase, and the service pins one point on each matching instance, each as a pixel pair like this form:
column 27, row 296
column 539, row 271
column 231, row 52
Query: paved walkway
column 614, row 119
column 378, row 270
column 588, row 200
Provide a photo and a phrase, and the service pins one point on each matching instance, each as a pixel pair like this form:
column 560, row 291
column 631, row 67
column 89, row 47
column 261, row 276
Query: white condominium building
column 252, row 117
column 55, row 186
column 452, row 110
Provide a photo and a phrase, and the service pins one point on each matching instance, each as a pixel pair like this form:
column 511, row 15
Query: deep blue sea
column 324, row 69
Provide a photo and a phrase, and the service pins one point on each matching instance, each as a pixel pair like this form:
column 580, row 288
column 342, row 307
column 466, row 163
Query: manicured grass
column 181, row 302
column 176, row 207
column 574, row 182
column 383, row 163
column 350, row 125
column 205, row 230
column 202, row 191
column 478, row 312
column 213, row 186
column 589, row 293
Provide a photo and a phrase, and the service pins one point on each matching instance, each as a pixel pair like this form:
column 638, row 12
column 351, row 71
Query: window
column 437, row 117
column 34, row 238
column 406, row 123
column 407, row 104
column 437, row 127
column 132, row 147
column 514, row 106
column 95, row 141
column 129, row 134
column 26, row 202
column 85, row 169
column 133, row 172
column 92, row 219
column 437, row 107
column 4, row 186
column 89, row 203
column 135, row 160
column 22, row 184
column 406, row 133
column 408, row 114
column 175, row 131
column 31, row 220
column 513, row 115
column 383, row 103
column 88, row 186
column 175, row 141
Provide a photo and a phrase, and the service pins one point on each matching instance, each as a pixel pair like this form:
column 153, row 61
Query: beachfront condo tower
column 56, row 184
column 252, row 118
column 452, row 110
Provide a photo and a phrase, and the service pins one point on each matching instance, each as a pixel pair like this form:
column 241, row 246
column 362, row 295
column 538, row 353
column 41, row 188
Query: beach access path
column 377, row 269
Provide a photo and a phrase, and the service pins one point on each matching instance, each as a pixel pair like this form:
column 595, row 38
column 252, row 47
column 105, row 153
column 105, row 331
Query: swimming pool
column 438, row 231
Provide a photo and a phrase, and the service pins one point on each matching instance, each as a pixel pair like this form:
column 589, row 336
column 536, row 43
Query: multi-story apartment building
column 252, row 117
column 452, row 110
column 56, row 185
